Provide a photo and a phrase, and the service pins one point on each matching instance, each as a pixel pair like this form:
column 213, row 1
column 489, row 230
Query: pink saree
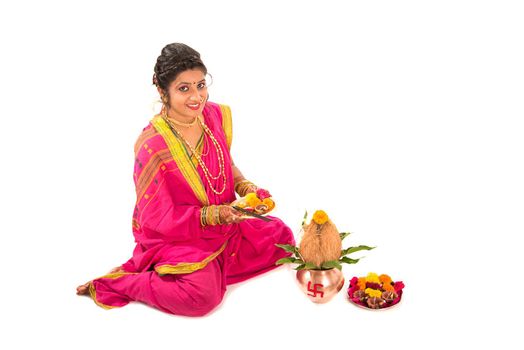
column 178, row 266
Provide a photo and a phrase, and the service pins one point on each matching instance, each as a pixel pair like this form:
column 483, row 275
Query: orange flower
column 388, row 287
column 320, row 217
column 270, row 203
column 385, row 278
column 361, row 283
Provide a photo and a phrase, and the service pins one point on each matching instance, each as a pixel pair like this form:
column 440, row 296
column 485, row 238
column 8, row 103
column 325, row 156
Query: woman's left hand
column 229, row 215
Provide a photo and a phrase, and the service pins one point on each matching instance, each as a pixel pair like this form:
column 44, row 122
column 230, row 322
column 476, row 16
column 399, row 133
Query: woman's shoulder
column 218, row 112
column 147, row 138
column 219, row 115
column 218, row 108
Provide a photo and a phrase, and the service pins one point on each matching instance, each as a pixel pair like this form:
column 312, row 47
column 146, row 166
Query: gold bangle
column 203, row 214
column 208, row 220
column 217, row 214
column 239, row 183
column 242, row 187
column 209, row 215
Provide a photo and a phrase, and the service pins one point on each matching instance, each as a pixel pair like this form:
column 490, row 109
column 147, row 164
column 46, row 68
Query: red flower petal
column 373, row 285
column 263, row 194
column 398, row 286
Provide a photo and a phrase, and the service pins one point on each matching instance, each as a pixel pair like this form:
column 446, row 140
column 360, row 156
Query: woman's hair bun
column 174, row 59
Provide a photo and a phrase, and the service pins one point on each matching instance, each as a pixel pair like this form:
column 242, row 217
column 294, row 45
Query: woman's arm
column 237, row 174
column 161, row 218
column 242, row 186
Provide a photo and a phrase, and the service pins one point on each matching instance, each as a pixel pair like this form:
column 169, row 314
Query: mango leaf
column 311, row 266
column 288, row 248
column 331, row 264
column 344, row 235
column 355, row 249
column 285, row 261
column 300, row 267
column 347, row 260
column 304, row 219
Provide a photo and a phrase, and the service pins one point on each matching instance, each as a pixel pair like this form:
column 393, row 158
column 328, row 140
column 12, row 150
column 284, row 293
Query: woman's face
column 187, row 94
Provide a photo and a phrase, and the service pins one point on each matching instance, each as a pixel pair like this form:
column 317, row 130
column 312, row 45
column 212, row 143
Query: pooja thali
column 375, row 292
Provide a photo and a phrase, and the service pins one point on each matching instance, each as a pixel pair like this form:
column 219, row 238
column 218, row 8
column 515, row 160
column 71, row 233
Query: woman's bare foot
column 84, row 288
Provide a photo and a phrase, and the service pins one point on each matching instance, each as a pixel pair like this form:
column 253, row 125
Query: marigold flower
column 373, row 292
column 388, row 287
column 385, row 278
column 320, row 217
column 270, row 203
column 252, row 200
column 250, row 195
column 361, row 283
column 372, row 277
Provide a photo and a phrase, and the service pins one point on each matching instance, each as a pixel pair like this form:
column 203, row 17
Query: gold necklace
column 218, row 149
column 207, row 173
column 186, row 125
column 204, row 144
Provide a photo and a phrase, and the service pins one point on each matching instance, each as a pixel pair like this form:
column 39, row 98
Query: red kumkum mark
column 315, row 290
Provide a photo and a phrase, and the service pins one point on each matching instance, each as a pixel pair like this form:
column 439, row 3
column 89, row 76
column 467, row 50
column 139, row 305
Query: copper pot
column 320, row 286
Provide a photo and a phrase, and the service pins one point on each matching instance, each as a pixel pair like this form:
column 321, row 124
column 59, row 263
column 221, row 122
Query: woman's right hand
column 229, row 215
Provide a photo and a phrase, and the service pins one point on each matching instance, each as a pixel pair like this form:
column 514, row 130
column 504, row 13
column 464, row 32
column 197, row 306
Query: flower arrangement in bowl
column 374, row 291
column 320, row 257
column 259, row 202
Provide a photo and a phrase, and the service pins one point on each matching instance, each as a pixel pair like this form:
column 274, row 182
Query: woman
column 191, row 243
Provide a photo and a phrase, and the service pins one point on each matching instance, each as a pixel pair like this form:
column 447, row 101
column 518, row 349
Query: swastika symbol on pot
column 315, row 290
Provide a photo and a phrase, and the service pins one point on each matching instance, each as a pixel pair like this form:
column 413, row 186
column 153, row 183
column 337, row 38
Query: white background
column 401, row 119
